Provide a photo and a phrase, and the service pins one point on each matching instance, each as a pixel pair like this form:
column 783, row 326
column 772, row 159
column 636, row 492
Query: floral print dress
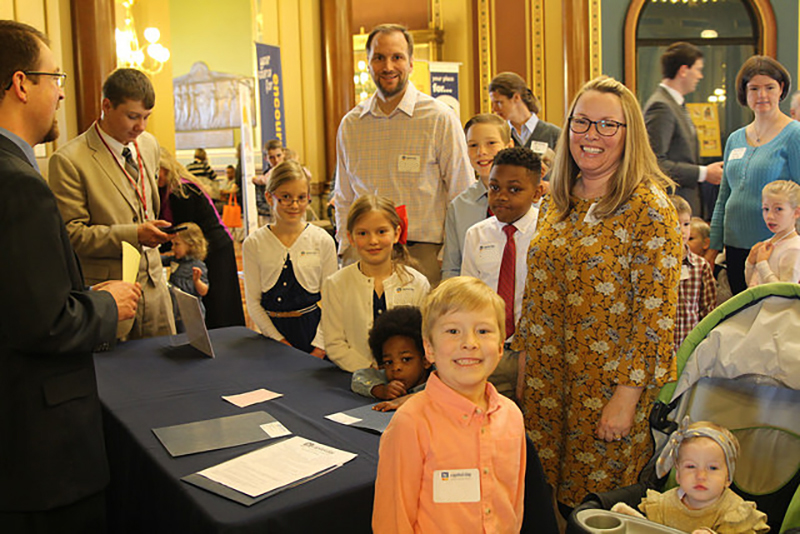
column 598, row 311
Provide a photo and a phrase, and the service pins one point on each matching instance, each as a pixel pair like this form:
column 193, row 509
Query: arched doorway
column 727, row 31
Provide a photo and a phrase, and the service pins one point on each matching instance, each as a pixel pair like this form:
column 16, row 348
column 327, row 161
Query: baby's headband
column 669, row 456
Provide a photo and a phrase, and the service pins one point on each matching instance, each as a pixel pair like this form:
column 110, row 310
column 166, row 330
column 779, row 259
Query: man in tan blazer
column 106, row 184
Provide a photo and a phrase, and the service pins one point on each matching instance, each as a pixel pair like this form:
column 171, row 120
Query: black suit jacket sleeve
column 662, row 128
column 45, row 309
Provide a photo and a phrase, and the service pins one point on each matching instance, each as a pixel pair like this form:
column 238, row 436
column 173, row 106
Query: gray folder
column 213, row 434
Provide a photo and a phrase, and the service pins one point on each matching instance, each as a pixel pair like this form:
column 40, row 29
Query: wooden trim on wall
column 537, row 56
column 485, row 53
column 595, row 40
column 94, row 55
column 576, row 47
column 765, row 22
column 337, row 41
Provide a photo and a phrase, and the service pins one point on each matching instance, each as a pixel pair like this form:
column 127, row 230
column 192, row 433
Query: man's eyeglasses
column 61, row 77
column 606, row 128
column 287, row 200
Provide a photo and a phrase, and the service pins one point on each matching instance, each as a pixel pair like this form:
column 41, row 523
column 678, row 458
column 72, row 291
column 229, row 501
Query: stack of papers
column 268, row 470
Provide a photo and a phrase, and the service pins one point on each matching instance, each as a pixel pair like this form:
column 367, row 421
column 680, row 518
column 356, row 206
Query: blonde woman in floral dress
column 600, row 299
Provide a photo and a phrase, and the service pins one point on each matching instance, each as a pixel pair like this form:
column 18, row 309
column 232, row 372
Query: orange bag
column 232, row 213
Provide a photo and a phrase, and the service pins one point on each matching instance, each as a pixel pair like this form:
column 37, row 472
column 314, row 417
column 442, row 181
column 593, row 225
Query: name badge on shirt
column 456, row 485
column 590, row 218
column 684, row 272
column 540, row 147
column 408, row 163
column 737, row 153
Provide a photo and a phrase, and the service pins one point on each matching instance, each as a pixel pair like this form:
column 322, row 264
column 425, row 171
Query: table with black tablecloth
column 151, row 383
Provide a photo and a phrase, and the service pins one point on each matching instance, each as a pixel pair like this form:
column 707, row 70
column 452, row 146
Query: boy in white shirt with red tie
column 496, row 249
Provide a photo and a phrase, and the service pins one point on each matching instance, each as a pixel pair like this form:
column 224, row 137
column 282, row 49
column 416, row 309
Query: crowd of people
column 572, row 271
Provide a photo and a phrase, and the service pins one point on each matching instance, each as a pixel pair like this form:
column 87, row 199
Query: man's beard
column 52, row 134
column 386, row 94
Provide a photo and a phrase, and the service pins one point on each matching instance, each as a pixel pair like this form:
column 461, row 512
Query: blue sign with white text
column 270, row 94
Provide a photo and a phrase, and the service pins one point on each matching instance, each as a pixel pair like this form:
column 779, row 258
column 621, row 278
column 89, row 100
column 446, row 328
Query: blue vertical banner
column 444, row 83
column 270, row 95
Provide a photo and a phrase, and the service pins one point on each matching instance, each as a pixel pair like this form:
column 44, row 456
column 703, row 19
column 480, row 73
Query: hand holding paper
column 125, row 294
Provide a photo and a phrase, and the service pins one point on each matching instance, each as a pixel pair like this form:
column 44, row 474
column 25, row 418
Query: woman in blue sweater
column 765, row 150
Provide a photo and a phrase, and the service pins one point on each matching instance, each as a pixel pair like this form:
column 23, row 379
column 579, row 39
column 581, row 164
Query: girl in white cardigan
column 285, row 264
column 380, row 280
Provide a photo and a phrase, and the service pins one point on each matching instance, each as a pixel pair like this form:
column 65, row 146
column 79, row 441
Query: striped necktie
column 130, row 164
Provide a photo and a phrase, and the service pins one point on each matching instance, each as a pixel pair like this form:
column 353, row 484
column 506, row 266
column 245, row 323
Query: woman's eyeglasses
column 606, row 128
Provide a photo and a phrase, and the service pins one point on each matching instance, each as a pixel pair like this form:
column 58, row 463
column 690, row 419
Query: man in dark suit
column 672, row 133
column 52, row 457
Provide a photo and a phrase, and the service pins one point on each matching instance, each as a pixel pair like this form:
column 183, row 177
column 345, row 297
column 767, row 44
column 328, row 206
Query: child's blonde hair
column 462, row 293
column 784, row 189
column 701, row 227
column 368, row 203
column 681, row 206
column 287, row 171
column 194, row 238
column 490, row 118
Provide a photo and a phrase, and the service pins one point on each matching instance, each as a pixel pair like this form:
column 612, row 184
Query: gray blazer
column 544, row 132
column 674, row 141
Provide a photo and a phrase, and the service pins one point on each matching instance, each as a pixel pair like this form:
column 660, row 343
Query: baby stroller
column 740, row 368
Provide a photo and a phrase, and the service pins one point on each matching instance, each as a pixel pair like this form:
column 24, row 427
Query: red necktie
column 508, row 274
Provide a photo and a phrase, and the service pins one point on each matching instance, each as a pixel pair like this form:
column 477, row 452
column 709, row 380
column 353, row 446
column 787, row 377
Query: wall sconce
column 150, row 58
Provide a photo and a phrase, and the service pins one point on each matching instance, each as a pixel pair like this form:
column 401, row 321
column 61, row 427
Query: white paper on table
column 342, row 418
column 130, row 262
column 276, row 466
column 275, row 429
column 243, row 400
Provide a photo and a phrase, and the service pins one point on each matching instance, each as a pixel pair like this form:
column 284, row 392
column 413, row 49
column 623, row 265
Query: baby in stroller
column 704, row 456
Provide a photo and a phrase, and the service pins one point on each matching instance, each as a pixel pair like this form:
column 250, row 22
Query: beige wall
column 458, row 43
column 156, row 13
column 295, row 26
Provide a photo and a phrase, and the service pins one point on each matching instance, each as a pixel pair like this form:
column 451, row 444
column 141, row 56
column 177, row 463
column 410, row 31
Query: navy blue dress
column 288, row 295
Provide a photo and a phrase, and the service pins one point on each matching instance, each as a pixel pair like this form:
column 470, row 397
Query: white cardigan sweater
column 347, row 311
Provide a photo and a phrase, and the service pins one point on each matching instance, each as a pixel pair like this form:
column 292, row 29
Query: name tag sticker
column 737, row 153
column 590, row 218
column 684, row 272
column 408, row 163
column 456, row 485
column 540, row 147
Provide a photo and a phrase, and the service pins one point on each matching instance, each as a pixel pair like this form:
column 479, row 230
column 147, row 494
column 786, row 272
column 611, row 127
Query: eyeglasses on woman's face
column 605, row 127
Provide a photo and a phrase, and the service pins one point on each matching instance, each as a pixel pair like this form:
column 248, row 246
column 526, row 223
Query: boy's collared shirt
column 467, row 209
column 483, row 252
column 439, row 430
column 697, row 294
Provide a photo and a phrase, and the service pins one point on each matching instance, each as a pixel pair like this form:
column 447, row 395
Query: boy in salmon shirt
column 467, row 475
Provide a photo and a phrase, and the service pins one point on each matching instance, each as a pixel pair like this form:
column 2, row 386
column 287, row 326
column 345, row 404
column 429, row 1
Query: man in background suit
column 52, row 456
column 105, row 181
column 672, row 134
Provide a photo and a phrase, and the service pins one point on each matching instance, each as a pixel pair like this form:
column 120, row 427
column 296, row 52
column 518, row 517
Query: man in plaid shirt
column 697, row 293
column 403, row 145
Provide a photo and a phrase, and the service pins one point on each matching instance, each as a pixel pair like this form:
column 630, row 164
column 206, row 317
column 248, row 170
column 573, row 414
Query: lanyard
column 141, row 195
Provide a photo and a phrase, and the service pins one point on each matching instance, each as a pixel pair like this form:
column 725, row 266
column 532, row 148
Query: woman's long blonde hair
column 638, row 165
column 176, row 171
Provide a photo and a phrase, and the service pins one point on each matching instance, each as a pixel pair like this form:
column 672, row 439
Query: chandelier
column 149, row 58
